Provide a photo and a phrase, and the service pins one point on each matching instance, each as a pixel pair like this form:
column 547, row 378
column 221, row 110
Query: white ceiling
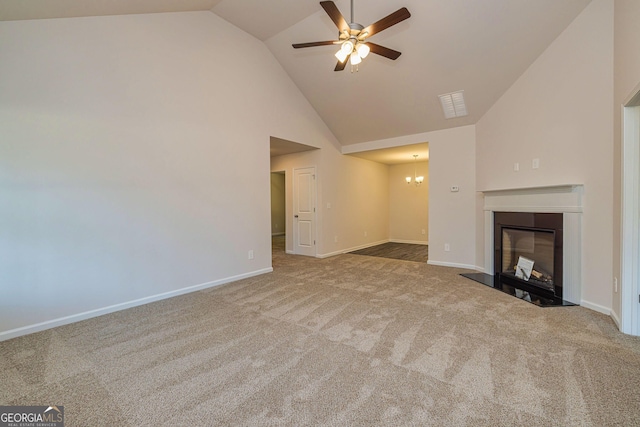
column 280, row 147
column 479, row 46
column 396, row 155
column 11, row 10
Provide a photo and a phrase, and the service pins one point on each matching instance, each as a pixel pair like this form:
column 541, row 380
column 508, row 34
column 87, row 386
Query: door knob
column 295, row 216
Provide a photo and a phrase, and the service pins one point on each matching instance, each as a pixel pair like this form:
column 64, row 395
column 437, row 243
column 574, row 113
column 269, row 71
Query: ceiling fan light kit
column 353, row 36
column 363, row 50
column 341, row 55
column 355, row 59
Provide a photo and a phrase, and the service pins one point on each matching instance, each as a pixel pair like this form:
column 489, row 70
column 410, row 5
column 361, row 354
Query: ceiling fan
column 353, row 37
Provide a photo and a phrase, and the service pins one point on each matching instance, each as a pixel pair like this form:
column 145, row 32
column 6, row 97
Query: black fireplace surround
column 531, row 235
column 548, row 225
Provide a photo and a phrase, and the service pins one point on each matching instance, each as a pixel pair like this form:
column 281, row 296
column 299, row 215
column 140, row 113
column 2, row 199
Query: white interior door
column 304, row 211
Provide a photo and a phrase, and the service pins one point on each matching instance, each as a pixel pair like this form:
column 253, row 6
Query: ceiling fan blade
column 340, row 65
column 388, row 21
column 335, row 15
column 384, row 51
column 312, row 44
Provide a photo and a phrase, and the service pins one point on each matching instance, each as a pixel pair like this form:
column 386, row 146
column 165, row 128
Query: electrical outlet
column 365, row 234
column 335, row 239
column 516, row 167
column 447, row 248
column 615, row 284
column 250, row 255
column 424, row 231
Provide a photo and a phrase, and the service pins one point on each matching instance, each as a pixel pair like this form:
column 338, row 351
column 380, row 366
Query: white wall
column 409, row 204
column 452, row 215
column 559, row 111
column 128, row 168
column 626, row 84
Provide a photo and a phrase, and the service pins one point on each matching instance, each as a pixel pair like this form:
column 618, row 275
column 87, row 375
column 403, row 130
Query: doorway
column 278, row 212
column 630, row 251
column 285, row 156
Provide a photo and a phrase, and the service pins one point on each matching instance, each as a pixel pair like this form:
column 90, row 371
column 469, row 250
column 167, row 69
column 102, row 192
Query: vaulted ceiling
column 478, row 46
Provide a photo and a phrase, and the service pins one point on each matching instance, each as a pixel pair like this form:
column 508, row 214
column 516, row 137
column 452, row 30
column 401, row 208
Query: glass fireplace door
column 531, row 250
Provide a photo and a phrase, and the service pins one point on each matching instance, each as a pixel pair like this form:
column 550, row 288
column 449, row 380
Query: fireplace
column 542, row 228
column 528, row 250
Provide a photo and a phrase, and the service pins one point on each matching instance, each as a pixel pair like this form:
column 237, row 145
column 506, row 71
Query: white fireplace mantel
column 564, row 198
column 552, row 198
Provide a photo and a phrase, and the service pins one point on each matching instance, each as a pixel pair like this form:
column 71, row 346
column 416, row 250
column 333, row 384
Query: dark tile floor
column 403, row 251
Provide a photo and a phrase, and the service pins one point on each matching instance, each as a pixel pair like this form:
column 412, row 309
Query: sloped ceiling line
column 480, row 47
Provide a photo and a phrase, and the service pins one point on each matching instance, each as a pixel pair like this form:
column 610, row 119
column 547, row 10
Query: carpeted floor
column 348, row 340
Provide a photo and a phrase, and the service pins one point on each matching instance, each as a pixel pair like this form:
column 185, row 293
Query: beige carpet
column 344, row 341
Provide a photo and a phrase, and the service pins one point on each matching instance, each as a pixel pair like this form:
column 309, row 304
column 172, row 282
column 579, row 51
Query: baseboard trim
column 30, row 329
column 596, row 307
column 411, row 242
column 616, row 320
column 330, row 254
column 452, row 264
column 355, row 248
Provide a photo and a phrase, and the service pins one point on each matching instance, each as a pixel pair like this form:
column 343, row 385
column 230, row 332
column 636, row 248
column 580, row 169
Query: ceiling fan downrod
column 352, row 18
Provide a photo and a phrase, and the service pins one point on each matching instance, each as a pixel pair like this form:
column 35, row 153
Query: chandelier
column 417, row 179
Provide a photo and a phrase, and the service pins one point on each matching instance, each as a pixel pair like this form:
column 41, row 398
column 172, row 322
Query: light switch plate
column 535, row 163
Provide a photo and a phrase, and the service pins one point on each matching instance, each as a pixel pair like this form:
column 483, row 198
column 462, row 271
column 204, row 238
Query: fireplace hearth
column 528, row 257
column 521, row 290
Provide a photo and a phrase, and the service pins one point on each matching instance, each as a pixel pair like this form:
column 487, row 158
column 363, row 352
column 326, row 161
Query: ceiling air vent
column 453, row 104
